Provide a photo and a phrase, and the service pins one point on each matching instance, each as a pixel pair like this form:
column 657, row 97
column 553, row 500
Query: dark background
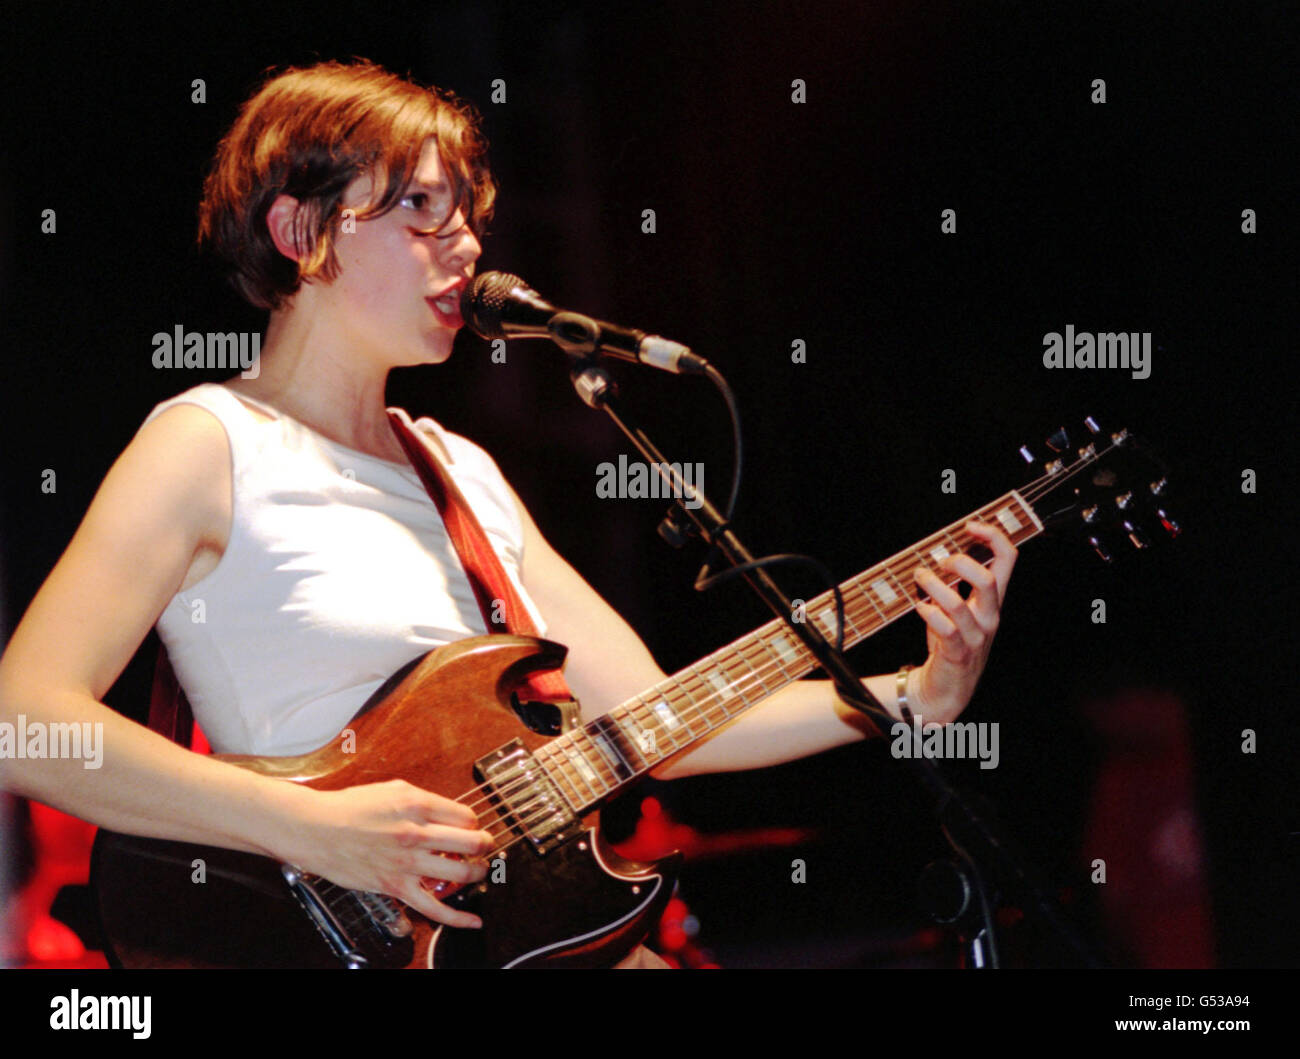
column 779, row 221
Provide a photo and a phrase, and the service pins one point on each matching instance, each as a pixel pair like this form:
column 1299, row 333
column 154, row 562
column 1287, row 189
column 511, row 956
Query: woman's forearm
column 803, row 718
column 130, row 779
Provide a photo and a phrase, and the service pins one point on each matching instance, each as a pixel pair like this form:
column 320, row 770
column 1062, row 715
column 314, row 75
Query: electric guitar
column 556, row 894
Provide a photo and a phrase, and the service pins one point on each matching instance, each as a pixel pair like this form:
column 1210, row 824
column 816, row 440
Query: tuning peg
column 1169, row 523
column 1159, row 486
column 1099, row 546
column 1059, row 441
column 1091, row 514
column 1135, row 535
column 1091, row 424
column 1124, row 501
column 1051, row 466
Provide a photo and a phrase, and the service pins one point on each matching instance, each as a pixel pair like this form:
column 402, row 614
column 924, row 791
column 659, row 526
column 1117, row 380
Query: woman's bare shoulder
column 176, row 474
column 184, row 445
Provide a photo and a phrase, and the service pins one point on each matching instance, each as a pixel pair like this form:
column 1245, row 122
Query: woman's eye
column 435, row 212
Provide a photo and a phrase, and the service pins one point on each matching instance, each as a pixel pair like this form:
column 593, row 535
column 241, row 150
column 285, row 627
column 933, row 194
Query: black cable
column 707, row 580
column 733, row 410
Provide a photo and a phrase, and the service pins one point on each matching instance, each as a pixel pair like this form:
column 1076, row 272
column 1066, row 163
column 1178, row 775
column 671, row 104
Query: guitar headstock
column 1109, row 483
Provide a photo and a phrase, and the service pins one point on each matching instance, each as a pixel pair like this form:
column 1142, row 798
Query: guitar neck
column 593, row 761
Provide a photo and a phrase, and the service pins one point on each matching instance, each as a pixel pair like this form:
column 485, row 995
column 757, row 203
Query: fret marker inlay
column 1008, row 519
column 665, row 713
column 887, row 595
column 580, row 762
column 721, row 686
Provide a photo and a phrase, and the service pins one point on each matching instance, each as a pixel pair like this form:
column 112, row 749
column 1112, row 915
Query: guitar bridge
column 522, row 790
column 377, row 937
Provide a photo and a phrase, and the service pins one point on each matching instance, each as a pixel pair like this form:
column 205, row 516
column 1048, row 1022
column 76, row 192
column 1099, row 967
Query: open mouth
column 447, row 308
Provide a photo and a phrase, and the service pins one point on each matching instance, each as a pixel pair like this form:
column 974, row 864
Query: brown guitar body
column 175, row 904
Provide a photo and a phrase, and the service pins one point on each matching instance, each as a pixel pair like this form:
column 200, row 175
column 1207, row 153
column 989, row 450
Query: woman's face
column 397, row 295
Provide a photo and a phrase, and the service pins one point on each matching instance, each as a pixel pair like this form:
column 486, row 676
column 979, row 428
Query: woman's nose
column 462, row 246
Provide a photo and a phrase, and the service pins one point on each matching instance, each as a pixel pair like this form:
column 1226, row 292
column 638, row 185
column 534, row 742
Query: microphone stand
column 963, row 899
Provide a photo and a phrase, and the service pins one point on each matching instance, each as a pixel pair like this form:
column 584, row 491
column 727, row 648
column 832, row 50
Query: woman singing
column 349, row 203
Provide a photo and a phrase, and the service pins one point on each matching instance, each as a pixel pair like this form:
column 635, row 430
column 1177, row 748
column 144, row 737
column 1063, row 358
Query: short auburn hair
column 309, row 133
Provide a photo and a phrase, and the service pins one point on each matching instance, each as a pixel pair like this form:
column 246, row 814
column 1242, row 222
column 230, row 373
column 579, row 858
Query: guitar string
column 752, row 680
column 518, row 819
column 747, row 682
column 855, row 610
column 607, row 777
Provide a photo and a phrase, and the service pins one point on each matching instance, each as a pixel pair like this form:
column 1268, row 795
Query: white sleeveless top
column 338, row 571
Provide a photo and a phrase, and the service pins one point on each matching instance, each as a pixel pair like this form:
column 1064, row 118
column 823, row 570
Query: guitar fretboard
column 591, row 762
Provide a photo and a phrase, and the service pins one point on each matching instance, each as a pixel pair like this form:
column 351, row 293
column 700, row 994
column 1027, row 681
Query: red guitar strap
column 498, row 600
column 169, row 709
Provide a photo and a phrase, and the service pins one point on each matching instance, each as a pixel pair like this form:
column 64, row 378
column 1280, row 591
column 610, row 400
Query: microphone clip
column 579, row 336
column 676, row 529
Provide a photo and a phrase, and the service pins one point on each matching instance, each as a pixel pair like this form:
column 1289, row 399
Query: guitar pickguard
column 580, row 905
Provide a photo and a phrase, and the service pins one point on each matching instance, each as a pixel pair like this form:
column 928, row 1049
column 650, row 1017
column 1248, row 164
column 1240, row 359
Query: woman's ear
column 282, row 221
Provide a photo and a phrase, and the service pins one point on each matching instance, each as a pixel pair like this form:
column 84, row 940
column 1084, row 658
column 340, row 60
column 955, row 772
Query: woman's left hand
column 959, row 632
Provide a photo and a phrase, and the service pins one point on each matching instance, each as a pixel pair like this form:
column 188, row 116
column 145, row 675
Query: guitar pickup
column 524, row 792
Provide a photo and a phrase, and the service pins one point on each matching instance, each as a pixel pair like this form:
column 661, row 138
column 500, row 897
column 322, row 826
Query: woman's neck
column 331, row 390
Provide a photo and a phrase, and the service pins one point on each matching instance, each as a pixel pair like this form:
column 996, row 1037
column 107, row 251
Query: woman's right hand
column 389, row 838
